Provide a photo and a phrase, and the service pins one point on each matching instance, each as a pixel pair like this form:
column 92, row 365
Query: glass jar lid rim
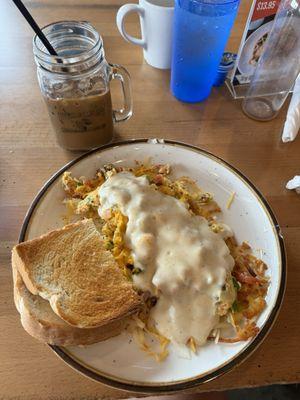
column 69, row 58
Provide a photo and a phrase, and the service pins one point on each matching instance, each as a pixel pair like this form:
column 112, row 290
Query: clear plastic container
column 278, row 66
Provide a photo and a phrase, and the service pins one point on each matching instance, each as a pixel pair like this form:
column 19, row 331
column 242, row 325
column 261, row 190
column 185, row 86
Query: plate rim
column 219, row 371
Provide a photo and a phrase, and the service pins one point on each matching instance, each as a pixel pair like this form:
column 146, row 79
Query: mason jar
column 75, row 85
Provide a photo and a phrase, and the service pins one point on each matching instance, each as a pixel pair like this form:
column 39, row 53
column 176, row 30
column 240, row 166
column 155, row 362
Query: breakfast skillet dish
column 197, row 283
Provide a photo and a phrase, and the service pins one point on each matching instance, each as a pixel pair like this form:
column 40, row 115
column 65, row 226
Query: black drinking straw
column 35, row 27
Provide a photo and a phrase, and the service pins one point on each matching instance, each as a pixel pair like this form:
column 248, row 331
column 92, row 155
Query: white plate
column 118, row 361
column 244, row 67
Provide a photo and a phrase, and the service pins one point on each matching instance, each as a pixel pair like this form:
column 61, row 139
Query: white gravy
column 181, row 258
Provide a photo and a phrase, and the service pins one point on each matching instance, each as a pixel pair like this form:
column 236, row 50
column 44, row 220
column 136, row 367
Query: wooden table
column 29, row 155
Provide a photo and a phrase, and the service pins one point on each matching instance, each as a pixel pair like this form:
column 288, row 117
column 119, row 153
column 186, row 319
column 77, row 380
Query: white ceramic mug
column 156, row 18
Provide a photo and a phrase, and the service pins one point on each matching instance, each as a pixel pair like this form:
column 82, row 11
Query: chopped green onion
column 136, row 271
column 236, row 284
column 235, row 307
column 109, row 245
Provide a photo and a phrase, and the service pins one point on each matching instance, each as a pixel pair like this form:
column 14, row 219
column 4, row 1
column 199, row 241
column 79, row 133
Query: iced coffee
column 75, row 84
column 82, row 123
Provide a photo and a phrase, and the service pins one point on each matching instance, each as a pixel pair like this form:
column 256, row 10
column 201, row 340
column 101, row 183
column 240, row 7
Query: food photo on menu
column 155, row 181
column 258, row 28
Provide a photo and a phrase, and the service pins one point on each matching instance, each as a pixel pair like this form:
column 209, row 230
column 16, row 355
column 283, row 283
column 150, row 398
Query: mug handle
column 121, row 14
column 121, row 74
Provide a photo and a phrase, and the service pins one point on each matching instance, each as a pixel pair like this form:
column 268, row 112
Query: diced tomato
column 246, row 277
column 158, row 179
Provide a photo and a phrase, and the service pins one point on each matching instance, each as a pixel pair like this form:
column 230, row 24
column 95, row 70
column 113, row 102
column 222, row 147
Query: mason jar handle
column 121, row 74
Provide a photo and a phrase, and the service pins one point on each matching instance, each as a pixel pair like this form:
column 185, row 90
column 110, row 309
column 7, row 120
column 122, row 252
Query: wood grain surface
column 29, row 155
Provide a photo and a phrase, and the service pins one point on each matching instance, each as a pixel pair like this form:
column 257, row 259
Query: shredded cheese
column 232, row 320
column 192, row 345
column 230, row 200
column 217, row 337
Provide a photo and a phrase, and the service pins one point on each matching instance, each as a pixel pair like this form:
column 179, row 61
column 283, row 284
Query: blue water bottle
column 200, row 33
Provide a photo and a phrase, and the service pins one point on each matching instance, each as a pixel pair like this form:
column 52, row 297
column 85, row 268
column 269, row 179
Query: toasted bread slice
column 71, row 269
column 39, row 320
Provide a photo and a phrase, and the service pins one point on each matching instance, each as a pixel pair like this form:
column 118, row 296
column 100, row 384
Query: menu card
column 257, row 29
